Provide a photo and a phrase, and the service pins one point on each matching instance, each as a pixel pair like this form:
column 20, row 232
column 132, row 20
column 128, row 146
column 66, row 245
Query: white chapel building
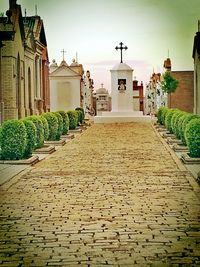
column 66, row 85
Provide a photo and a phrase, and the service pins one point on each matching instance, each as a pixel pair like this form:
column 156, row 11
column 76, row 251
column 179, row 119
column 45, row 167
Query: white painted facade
column 65, row 86
column 155, row 97
column 102, row 100
column 122, row 98
column 122, row 95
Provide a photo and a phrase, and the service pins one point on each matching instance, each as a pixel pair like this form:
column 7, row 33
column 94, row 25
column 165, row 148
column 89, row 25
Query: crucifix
column 121, row 47
column 63, row 52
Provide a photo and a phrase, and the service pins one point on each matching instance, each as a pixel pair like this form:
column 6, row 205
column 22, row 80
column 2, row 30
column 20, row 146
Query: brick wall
column 183, row 97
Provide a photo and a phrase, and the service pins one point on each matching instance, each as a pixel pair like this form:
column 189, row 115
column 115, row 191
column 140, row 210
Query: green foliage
column 82, row 115
column 169, row 84
column 163, row 115
column 40, row 130
column 53, row 125
column 31, row 137
column 60, row 125
column 174, row 122
column 188, row 117
column 79, row 116
column 73, row 119
column 45, row 127
column 178, row 124
column 160, row 113
column 65, row 121
column 168, row 119
column 13, row 140
column 192, row 136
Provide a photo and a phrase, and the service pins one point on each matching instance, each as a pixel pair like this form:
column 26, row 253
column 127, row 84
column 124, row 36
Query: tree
column 169, row 84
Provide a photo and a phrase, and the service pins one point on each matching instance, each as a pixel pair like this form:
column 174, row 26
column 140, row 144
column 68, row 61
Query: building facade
column 138, row 96
column 103, row 100
column 183, row 97
column 196, row 57
column 66, row 86
column 155, row 97
column 24, row 75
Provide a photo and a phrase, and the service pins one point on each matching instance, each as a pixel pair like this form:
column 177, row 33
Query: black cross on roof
column 121, row 48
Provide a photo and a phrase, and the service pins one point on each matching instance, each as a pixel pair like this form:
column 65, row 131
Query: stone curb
column 45, row 150
column 30, row 161
column 188, row 160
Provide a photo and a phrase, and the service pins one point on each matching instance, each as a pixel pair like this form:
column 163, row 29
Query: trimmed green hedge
column 187, row 118
column 60, row 125
column 79, row 116
column 53, row 125
column 31, row 137
column 13, row 140
column 40, row 130
column 174, row 121
column 178, row 127
column 168, row 119
column 73, row 119
column 45, row 126
column 160, row 114
column 192, row 136
column 65, row 121
column 82, row 115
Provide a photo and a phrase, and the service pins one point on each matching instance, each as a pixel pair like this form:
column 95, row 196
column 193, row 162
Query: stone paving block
column 115, row 198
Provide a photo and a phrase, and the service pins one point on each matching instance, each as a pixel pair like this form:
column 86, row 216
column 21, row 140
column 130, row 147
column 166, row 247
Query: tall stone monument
column 122, row 95
column 122, row 85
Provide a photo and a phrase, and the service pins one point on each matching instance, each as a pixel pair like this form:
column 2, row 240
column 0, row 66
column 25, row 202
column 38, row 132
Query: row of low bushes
column 186, row 126
column 18, row 138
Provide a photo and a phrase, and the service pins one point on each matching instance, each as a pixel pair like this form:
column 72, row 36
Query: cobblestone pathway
column 112, row 196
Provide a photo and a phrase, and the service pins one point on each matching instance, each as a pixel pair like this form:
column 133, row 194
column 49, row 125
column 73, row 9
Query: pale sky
column 93, row 28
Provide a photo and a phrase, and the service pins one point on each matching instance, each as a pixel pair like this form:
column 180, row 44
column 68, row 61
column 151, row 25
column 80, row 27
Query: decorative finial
column 101, row 85
column 36, row 10
column 63, row 52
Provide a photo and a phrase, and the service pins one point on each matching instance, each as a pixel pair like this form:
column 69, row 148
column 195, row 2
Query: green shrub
column 73, row 119
column 13, row 140
column 53, row 125
column 82, row 114
column 188, row 117
column 159, row 114
column 60, row 125
column 79, row 116
column 40, row 130
column 179, row 122
column 192, row 136
column 45, row 126
column 168, row 119
column 163, row 115
column 65, row 121
column 174, row 121
column 31, row 137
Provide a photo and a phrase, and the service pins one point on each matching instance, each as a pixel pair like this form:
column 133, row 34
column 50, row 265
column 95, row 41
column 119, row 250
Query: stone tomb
column 122, row 98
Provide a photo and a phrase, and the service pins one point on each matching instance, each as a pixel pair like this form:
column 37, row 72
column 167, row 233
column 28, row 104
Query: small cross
column 121, row 48
column 63, row 52
column 101, row 85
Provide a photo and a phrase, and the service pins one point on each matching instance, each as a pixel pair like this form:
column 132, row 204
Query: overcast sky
column 93, row 28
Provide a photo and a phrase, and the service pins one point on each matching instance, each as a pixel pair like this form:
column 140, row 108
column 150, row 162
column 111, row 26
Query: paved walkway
column 115, row 195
